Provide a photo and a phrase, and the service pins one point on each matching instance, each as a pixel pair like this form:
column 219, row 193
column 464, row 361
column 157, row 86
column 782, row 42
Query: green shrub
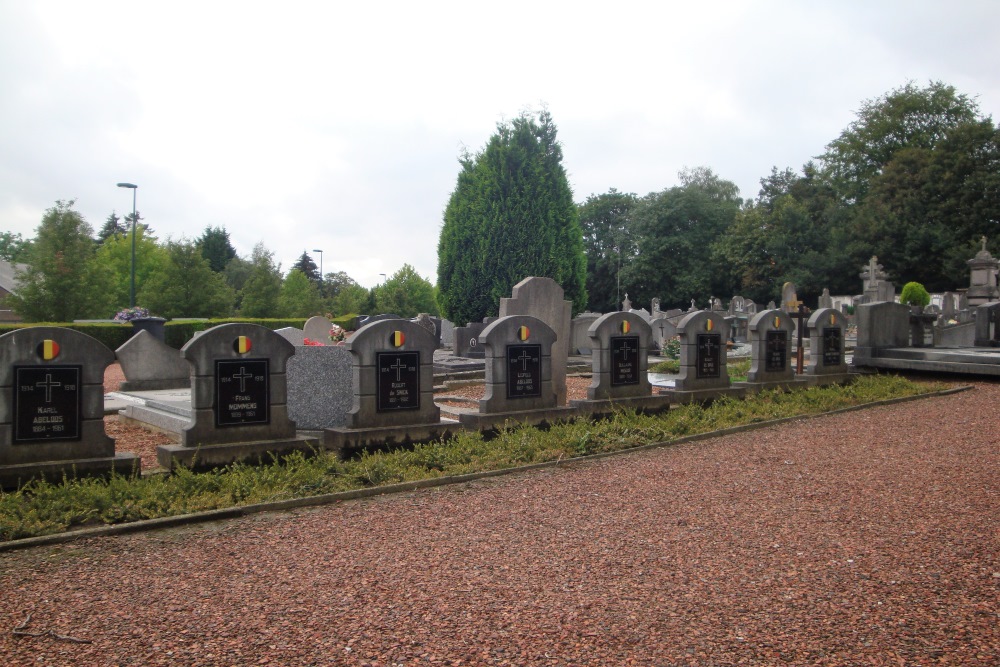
column 914, row 294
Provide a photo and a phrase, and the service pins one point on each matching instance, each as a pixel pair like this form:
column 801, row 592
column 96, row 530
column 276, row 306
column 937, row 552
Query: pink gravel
column 866, row 538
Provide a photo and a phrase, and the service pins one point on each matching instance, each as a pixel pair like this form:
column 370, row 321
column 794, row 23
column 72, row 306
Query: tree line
column 71, row 274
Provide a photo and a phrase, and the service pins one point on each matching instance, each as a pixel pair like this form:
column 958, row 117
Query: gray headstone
column 825, row 300
column 148, row 364
column 771, row 347
column 519, row 365
column 296, row 337
column 239, row 386
column 789, row 297
column 620, row 358
column 393, row 362
column 580, row 338
column 543, row 298
column 662, row 330
column 880, row 324
column 317, row 328
column 827, row 334
column 703, row 336
column 467, row 341
column 448, row 334
column 52, row 406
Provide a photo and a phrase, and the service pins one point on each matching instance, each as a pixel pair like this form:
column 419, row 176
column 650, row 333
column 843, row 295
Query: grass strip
column 42, row 508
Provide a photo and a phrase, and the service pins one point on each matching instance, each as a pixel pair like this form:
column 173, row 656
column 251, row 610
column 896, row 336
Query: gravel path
column 863, row 538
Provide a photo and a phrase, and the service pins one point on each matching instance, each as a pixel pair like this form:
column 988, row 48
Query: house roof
column 7, row 271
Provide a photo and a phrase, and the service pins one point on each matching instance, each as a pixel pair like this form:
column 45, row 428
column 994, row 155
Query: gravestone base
column 646, row 405
column 682, row 396
column 827, row 379
column 214, row 456
column 783, row 385
column 123, row 463
column 347, row 440
column 491, row 420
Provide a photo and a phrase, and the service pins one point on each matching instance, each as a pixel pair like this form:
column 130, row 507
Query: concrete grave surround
column 148, row 363
column 882, row 324
column 543, row 298
column 988, row 325
column 821, row 369
column 466, row 340
column 205, row 443
column 92, row 451
column 317, row 328
column 779, row 325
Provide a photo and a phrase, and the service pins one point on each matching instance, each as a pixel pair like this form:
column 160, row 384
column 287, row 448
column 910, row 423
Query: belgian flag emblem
column 777, row 323
column 242, row 345
column 48, row 349
column 708, row 325
column 396, row 339
column 833, row 318
column 626, row 327
column 523, row 332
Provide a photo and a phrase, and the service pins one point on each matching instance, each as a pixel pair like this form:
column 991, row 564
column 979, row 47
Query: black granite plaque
column 242, row 392
column 524, row 371
column 708, row 359
column 624, row 360
column 398, row 380
column 776, row 354
column 48, row 403
column 831, row 347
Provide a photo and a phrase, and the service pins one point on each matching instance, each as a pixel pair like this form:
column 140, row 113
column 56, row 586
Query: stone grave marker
column 317, row 328
column 620, row 363
column 467, row 341
column 519, row 370
column 580, row 326
column 882, row 324
column 704, row 371
column 239, row 393
column 52, row 407
column 662, row 331
column 543, row 298
column 319, row 386
column 393, row 402
column 771, row 351
column 296, row 337
column 148, row 364
column 827, row 329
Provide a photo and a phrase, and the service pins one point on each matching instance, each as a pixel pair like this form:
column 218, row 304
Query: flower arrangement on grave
column 672, row 348
column 129, row 314
column 337, row 333
column 311, row 342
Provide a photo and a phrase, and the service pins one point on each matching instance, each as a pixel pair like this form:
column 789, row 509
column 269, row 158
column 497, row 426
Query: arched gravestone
column 620, row 364
column 771, row 351
column 704, row 372
column 239, row 395
column 52, row 407
column 518, row 374
column 827, row 332
column 393, row 371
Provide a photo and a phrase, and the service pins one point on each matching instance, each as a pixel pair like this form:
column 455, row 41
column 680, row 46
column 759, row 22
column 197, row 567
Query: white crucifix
column 243, row 376
column 524, row 359
column 48, row 385
column 626, row 349
column 399, row 367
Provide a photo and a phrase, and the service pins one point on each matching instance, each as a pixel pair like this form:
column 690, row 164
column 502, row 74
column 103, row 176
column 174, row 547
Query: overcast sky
column 338, row 126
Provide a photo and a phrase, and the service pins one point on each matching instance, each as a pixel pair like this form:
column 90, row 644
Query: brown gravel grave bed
column 864, row 538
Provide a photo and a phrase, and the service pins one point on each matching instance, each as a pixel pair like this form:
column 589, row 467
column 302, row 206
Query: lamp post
column 131, row 295
column 320, row 269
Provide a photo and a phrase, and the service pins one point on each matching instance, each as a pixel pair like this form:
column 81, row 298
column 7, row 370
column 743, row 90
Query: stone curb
column 340, row 496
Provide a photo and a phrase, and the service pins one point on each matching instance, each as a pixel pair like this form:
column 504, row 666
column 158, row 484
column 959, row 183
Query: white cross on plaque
column 243, row 376
column 399, row 367
column 625, row 348
column 48, row 385
column 524, row 359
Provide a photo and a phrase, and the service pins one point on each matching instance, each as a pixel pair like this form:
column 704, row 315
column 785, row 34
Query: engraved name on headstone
column 776, row 359
column 524, row 371
column 708, row 355
column 47, row 403
column 242, row 392
column 624, row 360
column 398, row 379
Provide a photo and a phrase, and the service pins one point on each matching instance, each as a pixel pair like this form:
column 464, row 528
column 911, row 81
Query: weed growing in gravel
column 40, row 508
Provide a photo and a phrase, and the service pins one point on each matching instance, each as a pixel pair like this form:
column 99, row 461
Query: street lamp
column 131, row 295
column 320, row 268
